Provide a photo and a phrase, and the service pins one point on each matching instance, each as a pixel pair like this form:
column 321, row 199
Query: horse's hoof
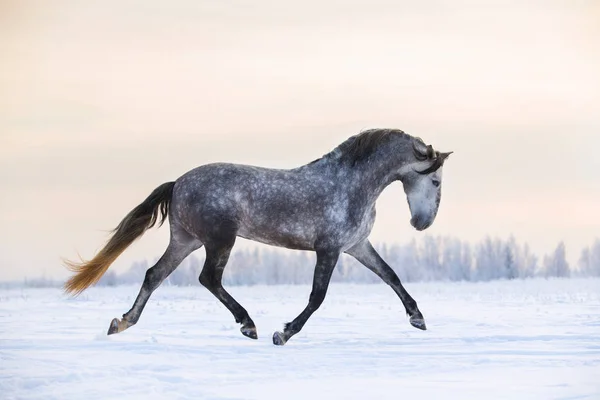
column 249, row 331
column 418, row 322
column 114, row 327
column 279, row 339
column 117, row 326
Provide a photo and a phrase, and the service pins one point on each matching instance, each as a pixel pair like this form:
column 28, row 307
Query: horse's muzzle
column 420, row 223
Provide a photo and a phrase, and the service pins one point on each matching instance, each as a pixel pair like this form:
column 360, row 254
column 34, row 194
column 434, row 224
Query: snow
column 525, row 339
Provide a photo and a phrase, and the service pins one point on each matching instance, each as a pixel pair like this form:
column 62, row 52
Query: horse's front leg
column 366, row 255
column 326, row 261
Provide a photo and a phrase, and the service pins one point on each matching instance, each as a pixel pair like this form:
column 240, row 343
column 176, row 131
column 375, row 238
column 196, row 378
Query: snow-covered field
column 532, row 339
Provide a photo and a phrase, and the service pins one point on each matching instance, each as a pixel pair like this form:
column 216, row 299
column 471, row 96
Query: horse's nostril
column 415, row 222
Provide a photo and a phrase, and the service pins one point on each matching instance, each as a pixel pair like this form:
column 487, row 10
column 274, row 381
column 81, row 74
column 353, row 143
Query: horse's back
column 268, row 205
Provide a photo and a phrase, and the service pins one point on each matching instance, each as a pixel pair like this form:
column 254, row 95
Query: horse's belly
column 278, row 238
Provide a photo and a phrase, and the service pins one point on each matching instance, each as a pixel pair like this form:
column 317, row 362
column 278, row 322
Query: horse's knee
column 394, row 280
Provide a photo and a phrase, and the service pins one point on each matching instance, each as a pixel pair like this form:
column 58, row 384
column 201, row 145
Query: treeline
column 433, row 258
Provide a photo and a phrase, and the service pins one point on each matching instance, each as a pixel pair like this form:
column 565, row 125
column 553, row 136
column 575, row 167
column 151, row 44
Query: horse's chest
column 366, row 225
column 356, row 229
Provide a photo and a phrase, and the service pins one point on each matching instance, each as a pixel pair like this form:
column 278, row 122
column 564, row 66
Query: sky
column 102, row 101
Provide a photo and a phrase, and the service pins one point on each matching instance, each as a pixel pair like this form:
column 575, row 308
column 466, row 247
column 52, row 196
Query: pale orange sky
column 101, row 101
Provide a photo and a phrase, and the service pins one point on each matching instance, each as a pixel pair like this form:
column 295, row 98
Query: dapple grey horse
column 326, row 206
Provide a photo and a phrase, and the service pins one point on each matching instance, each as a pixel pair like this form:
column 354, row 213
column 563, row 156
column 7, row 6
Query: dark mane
column 359, row 147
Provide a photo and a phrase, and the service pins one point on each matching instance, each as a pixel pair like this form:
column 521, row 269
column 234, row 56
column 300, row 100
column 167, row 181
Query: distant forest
column 430, row 259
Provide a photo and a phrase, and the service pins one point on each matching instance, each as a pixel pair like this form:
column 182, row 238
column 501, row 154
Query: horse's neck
column 372, row 177
column 375, row 176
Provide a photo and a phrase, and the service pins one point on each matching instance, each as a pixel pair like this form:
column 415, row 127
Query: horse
column 326, row 206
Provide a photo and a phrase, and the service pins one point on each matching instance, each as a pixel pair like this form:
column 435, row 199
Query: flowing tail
column 154, row 209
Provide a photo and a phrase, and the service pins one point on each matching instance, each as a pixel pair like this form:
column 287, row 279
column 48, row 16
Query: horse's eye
column 436, row 183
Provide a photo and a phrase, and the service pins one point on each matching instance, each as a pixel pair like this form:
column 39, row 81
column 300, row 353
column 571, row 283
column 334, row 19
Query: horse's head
column 422, row 180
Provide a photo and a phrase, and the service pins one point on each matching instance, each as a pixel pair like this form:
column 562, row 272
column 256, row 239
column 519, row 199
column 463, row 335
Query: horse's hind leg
column 217, row 255
column 180, row 246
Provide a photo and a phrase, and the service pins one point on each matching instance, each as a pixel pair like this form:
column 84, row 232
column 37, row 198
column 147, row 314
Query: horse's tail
column 154, row 209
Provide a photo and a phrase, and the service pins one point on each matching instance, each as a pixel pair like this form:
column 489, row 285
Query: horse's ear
column 430, row 152
column 443, row 156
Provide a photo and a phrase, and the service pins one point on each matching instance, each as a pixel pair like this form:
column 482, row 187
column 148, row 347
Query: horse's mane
column 360, row 147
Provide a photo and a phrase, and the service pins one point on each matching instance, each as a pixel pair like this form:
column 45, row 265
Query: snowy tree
column 187, row 273
column 589, row 261
column 527, row 263
column 135, row 274
column 110, row 278
column 489, row 260
column 405, row 261
column 432, row 258
column 556, row 264
column 456, row 260
column 511, row 270
column 342, row 271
